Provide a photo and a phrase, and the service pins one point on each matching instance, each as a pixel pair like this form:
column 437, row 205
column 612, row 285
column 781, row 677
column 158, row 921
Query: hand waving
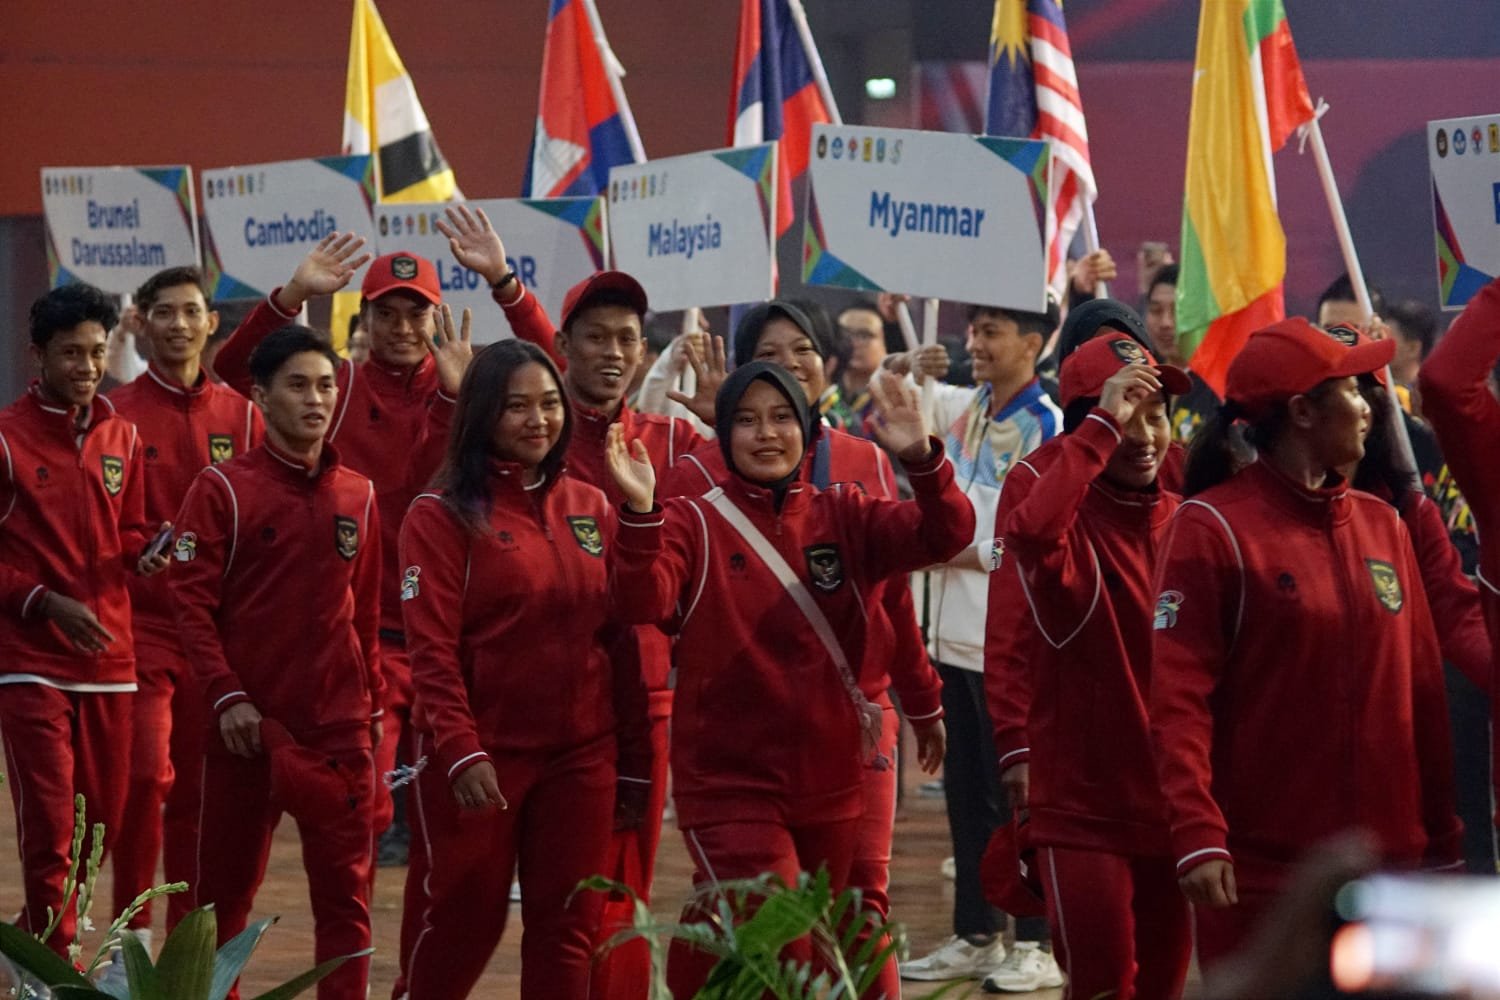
column 632, row 470
column 451, row 352
column 326, row 269
column 710, row 372
column 899, row 425
column 474, row 242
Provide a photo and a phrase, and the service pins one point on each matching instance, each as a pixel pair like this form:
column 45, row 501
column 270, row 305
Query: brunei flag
column 1248, row 98
column 383, row 116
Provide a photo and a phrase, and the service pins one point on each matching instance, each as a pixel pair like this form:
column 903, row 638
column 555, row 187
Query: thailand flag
column 580, row 129
column 775, row 95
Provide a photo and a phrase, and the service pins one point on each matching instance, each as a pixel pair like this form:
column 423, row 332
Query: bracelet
column 505, row 279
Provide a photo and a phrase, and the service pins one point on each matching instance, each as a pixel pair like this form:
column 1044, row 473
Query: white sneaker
column 949, row 868
column 955, row 959
column 1025, row 969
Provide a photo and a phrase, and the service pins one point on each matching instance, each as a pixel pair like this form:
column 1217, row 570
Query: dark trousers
column 1469, row 717
column 976, row 804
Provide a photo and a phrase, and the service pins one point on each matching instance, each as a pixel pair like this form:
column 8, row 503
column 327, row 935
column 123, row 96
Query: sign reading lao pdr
column 1464, row 154
column 927, row 213
column 551, row 244
column 263, row 219
column 114, row 227
column 697, row 230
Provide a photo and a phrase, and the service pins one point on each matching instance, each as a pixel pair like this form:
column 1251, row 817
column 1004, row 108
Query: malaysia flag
column 775, row 94
column 580, row 126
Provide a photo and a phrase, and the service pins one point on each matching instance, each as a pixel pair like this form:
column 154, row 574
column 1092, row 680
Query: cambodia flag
column 775, row 95
column 580, row 131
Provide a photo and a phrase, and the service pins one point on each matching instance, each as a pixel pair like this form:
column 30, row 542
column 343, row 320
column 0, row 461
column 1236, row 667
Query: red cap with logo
column 1293, row 356
column 600, row 282
column 1008, row 876
column 1349, row 336
column 1090, row 366
column 402, row 271
column 312, row 786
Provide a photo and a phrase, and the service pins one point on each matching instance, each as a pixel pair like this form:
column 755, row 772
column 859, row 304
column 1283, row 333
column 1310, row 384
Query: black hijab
column 728, row 400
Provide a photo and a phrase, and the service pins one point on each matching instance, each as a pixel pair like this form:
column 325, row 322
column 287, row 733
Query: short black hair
column 1342, row 290
column 145, row 296
column 273, row 352
column 1165, row 275
column 1027, row 322
column 66, row 307
column 1416, row 321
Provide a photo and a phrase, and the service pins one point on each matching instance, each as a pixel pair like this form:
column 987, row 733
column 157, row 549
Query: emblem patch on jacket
column 220, row 448
column 1387, row 585
column 410, row 588
column 586, row 534
column 345, row 537
column 186, row 547
column 114, row 473
column 825, row 567
column 1167, row 606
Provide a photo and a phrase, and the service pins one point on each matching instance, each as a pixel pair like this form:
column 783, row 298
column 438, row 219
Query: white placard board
column 935, row 214
column 551, row 244
column 697, row 230
column 262, row 219
column 114, row 227
column 1464, row 154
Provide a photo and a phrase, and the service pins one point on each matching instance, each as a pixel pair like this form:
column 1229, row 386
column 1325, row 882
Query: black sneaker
column 394, row 847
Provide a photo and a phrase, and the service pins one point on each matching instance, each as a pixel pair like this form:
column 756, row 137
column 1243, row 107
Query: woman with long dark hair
column 525, row 714
column 1296, row 686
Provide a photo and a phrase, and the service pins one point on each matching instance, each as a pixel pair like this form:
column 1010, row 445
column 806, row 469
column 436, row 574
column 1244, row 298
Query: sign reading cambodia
column 551, row 244
column 1464, row 154
column 927, row 213
column 263, row 219
column 114, row 227
column 697, row 230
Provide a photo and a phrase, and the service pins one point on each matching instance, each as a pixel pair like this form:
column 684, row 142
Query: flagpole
column 614, row 72
column 820, row 75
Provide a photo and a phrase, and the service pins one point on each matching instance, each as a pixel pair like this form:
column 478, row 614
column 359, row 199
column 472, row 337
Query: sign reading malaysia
column 1464, row 154
column 263, row 219
column 697, row 230
column 551, row 244
column 114, row 227
column 927, row 213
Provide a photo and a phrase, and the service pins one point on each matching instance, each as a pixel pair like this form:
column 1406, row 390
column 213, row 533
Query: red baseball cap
column 1008, row 877
column 1087, row 369
column 1350, row 336
column 312, row 786
column 1293, row 356
column 579, row 296
column 402, row 270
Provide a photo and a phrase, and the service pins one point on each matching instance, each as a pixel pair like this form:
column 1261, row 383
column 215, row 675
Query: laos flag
column 775, row 95
column 580, row 126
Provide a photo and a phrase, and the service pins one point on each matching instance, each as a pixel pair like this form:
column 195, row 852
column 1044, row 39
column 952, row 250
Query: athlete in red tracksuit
column 522, row 695
column 186, row 422
column 1296, row 684
column 1083, row 543
column 72, row 527
column 778, row 787
column 277, row 567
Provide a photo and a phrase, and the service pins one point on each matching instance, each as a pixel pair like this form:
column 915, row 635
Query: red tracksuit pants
column 1220, row 933
column 556, row 830
column 624, row 973
column 395, row 724
column 234, row 844
column 161, row 813
column 1120, row 925
column 58, row 744
column 871, row 869
column 744, row 849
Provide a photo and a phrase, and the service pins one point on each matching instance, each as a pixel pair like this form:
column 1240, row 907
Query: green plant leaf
column 37, row 959
column 139, row 972
column 292, row 987
column 231, row 958
column 185, row 967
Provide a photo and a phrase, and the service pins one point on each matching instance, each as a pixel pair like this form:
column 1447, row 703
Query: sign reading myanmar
column 114, row 227
column 927, row 213
column 1464, row 154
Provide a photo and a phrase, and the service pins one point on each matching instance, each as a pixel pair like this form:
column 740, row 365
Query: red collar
column 290, row 469
column 99, row 411
column 1314, row 505
column 162, row 384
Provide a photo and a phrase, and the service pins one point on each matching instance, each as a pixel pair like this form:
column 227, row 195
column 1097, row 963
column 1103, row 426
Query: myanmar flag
column 1248, row 97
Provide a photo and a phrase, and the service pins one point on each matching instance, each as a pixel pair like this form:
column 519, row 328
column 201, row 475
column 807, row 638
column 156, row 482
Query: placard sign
column 927, row 213
column 697, row 230
column 114, row 227
column 263, row 219
column 551, row 244
column 1464, row 154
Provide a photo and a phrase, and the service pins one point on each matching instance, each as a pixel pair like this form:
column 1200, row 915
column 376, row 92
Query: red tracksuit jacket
column 182, row 431
column 73, row 520
column 511, row 639
column 1457, row 613
column 1085, row 552
column 1297, row 687
column 274, row 580
column 762, row 726
column 897, row 656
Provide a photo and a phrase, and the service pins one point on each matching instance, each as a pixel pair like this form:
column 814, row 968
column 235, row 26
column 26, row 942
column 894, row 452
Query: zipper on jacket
column 81, row 443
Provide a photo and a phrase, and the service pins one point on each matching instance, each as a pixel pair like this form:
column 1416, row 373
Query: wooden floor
column 921, row 898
